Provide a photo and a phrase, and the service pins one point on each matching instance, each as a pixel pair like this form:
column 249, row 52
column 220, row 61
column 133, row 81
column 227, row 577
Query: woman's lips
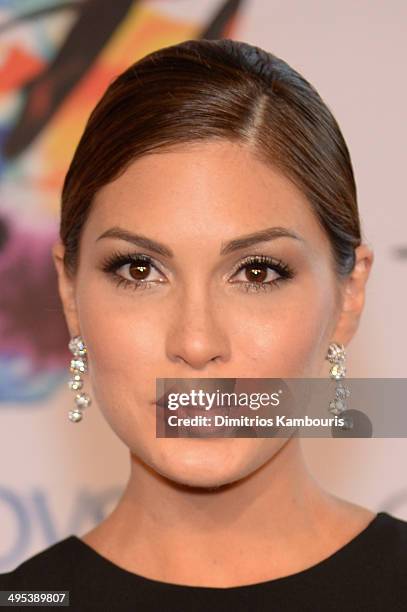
column 194, row 408
column 182, row 387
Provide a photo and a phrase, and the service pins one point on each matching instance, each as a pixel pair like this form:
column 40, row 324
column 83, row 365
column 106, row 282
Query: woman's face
column 198, row 308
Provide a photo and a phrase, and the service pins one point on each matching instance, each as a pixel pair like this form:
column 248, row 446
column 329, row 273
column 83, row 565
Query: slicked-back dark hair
column 200, row 90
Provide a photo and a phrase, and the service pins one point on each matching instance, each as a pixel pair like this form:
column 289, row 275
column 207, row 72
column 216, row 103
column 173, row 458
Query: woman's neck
column 275, row 522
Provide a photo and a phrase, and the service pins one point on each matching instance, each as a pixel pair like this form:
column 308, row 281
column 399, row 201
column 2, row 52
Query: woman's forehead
column 209, row 182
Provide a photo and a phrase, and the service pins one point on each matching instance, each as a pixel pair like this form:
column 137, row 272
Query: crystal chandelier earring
column 336, row 355
column 78, row 366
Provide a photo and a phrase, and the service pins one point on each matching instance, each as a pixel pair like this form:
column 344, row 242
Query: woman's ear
column 353, row 296
column 66, row 286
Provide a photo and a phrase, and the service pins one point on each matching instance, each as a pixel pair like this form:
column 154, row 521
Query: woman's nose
column 198, row 335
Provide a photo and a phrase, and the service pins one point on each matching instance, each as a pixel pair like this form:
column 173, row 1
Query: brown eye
column 131, row 270
column 256, row 272
column 139, row 271
column 261, row 272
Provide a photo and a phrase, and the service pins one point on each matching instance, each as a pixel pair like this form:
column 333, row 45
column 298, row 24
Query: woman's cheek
column 123, row 358
column 286, row 344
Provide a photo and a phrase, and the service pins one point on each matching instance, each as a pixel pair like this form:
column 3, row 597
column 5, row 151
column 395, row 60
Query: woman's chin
column 206, row 463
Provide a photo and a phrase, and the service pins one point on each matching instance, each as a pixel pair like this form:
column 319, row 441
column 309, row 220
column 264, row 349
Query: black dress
column 369, row 573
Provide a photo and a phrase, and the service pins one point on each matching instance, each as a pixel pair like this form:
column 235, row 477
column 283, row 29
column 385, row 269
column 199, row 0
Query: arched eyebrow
column 138, row 240
column 264, row 235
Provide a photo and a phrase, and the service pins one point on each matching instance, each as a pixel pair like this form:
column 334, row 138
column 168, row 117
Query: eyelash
column 117, row 259
column 283, row 269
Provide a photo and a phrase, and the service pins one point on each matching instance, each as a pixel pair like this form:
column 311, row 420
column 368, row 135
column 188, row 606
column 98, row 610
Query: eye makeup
column 146, row 264
column 141, row 261
column 261, row 263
